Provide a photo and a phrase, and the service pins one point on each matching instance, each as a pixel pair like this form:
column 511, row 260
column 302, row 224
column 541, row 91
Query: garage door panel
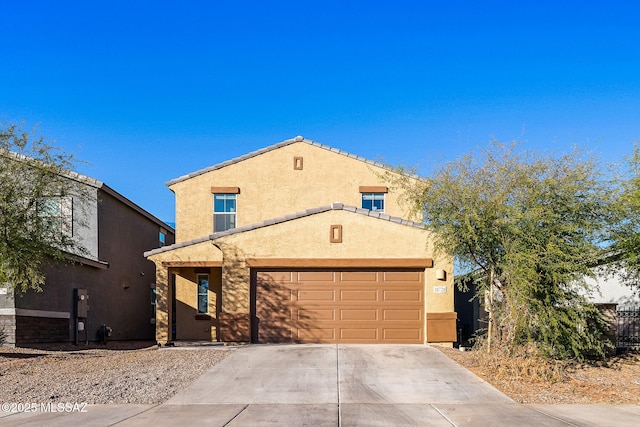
column 360, row 295
column 316, row 315
column 403, row 276
column 359, row 314
column 359, row 334
column 271, row 333
column 359, row 276
column 409, row 296
column 275, row 276
column 276, row 295
column 317, row 335
column 402, row 334
column 403, row 314
column 315, row 276
column 364, row 306
column 280, row 316
column 316, row 296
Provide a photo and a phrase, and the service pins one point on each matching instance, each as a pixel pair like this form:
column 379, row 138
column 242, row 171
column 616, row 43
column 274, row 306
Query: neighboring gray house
column 114, row 273
column 610, row 290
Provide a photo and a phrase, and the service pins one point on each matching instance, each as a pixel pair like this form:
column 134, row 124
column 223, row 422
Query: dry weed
column 527, row 377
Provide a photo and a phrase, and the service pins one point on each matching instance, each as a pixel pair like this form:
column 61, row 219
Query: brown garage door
column 336, row 306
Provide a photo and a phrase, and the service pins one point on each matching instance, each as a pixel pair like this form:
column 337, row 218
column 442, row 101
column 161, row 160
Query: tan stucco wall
column 308, row 237
column 188, row 327
column 270, row 187
column 363, row 237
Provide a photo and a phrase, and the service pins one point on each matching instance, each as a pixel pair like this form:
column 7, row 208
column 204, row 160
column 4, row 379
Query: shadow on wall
column 259, row 306
column 275, row 316
column 188, row 323
column 191, row 325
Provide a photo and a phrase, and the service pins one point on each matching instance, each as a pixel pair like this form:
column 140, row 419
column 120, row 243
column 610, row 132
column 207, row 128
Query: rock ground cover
column 101, row 376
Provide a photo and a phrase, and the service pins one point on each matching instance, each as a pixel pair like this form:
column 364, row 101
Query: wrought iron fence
column 628, row 328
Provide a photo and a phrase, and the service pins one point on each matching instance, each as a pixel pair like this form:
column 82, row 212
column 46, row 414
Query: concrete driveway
column 337, row 385
column 333, row 385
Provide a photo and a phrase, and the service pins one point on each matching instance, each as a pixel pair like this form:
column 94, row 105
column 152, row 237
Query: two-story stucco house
column 299, row 242
column 111, row 283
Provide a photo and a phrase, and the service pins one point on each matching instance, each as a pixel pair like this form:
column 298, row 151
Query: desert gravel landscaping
column 102, row 376
column 529, row 380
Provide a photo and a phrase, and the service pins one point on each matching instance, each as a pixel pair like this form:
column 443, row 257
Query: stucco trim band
column 373, row 189
column 225, row 190
column 192, row 263
column 339, row 262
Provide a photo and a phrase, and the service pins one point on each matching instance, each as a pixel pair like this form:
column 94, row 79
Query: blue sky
column 148, row 91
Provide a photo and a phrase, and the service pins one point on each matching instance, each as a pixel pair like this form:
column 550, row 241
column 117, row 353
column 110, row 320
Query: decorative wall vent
column 335, row 235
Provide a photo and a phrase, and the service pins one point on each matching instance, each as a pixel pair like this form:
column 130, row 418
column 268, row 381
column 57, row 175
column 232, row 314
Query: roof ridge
column 64, row 172
column 269, row 148
column 290, row 217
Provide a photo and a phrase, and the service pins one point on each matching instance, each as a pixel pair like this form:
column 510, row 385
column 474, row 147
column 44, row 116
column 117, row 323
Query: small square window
column 373, row 201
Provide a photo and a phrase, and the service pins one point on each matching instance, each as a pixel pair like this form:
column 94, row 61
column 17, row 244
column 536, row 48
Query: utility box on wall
column 441, row 327
column 82, row 302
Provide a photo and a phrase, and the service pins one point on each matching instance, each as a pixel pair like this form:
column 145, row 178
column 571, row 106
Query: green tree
column 624, row 254
column 34, row 178
column 533, row 226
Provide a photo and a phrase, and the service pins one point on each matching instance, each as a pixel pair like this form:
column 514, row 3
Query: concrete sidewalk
column 333, row 385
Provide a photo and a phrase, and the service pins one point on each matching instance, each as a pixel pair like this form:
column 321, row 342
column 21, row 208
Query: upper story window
column 373, row 197
column 224, row 212
column 57, row 212
column 373, row 201
column 162, row 236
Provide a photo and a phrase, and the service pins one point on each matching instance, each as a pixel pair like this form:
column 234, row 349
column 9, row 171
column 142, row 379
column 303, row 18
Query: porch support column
column 235, row 318
column 163, row 304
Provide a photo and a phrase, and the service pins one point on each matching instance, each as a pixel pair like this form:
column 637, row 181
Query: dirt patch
column 533, row 380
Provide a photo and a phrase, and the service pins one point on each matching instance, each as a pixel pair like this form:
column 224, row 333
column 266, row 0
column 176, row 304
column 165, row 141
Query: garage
column 338, row 306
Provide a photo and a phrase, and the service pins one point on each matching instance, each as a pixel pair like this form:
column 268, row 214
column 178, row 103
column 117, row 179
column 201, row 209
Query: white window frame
column 373, row 196
column 233, row 213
